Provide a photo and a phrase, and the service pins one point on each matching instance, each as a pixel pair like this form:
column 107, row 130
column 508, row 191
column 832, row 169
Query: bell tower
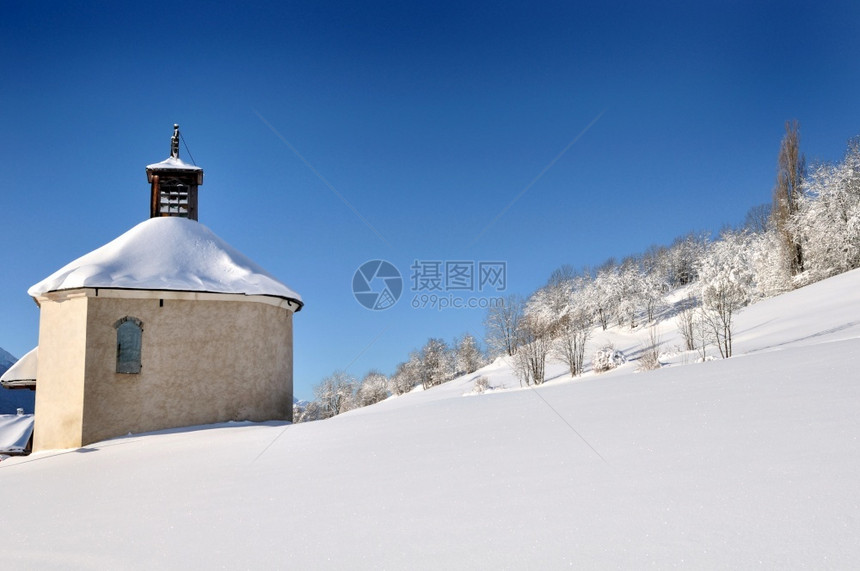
column 173, row 184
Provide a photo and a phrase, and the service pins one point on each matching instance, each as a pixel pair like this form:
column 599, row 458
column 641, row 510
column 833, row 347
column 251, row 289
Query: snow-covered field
column 748, row 462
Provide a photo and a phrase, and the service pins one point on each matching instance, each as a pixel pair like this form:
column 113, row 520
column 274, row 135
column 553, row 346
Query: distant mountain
column 11, row 401
column 6, row 360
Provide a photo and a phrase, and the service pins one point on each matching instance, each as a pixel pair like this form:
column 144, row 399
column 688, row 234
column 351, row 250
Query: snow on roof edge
column 173, row 163
column 296, row 299
column 24, row 369
column 167, row 254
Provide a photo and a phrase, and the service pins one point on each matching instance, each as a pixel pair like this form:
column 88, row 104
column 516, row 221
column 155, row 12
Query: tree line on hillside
column 434, row 364
column 810, row 231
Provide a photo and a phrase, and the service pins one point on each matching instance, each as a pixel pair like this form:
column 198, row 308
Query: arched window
column 129, row 332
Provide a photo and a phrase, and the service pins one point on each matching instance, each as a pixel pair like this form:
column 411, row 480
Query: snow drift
column 750, row 461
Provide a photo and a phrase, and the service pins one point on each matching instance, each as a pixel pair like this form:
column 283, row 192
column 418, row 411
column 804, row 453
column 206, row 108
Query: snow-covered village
column 522, row 286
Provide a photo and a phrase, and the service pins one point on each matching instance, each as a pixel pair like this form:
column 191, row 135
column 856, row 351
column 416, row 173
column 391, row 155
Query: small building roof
column 21, row 375
column 15, row 432
column 173, row 163
column 167, row 253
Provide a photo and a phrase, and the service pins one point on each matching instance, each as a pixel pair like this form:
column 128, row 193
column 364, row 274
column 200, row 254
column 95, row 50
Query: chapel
column 165, row 326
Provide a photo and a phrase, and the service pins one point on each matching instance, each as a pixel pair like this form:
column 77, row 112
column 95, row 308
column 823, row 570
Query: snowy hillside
column 750, row 461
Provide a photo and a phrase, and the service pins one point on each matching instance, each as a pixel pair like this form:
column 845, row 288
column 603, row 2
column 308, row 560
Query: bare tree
column 650, row 359
column 685, row 321
column 704, row 334
column 534, row 344
column 573, row 334
column 787, row 195
column 758, row 218
column 561, row 275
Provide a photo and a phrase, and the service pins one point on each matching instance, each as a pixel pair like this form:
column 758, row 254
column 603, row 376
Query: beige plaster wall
column 60, row 374
column 204, row 359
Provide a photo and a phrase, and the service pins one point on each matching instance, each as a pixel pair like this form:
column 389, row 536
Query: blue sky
column 428, row 120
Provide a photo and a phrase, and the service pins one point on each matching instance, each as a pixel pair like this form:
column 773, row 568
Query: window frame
column 128, row 361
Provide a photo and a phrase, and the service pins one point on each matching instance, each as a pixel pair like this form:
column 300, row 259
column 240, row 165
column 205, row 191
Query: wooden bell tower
column 174, row 184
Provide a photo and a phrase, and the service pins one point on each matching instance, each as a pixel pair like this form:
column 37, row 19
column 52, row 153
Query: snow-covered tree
column 373, row 388
column 652, row 291
column 657, row 266
column 530, row 359
column 625, row 282
column 727, row 282
column 308, row 412
column 649, row 358
column 572, row 336
column 605, row 294
column 407, row 375
column 684, row 254
column 657, row 262
column 685, row 320
column 631, row 293
column 335, row 394
column 606, row 359
column 502, row 324
column 468, row 357
column 828, row 217
column 771, row 275
column 630, row 290
column 534, row 339
column 435, row 363
column 566, row 309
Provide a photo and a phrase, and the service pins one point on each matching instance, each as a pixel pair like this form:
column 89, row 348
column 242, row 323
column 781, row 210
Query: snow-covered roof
column 23, row 372
column 167, row 253
column 174, row 163
column 15, row 431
